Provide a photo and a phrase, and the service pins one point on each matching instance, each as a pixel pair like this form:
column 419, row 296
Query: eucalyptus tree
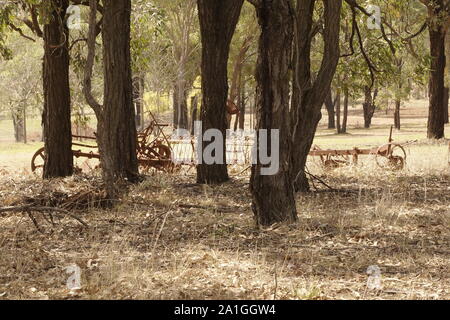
column 46, row 20
column 438, row 24
column 218, row 21
column 116, row 128
column 273, row 194
column 309, row 92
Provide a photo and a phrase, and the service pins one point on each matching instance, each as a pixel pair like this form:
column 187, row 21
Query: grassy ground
column 172, row 239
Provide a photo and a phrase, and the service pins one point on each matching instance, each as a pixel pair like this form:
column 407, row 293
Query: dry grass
column 172, row 239
column 198, row 242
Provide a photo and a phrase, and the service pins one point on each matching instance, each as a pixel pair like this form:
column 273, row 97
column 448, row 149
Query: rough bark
column 436, row 28
column 218, row 21
column 273, row 195
column 446, row 105
column 116, row 127
column 56, row 114
column 308, row 95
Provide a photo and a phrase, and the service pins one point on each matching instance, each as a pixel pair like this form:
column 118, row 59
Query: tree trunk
column 218, row 21
column 116, row 125
column 242, row 109
column 369, row 106
column 398, row 104
column 180, row 108
column 338, row 113
column 18, row 123
column 308, row 95
column 138, row 100
column 329, row 104
column 56, row 114
column 436, row 121
column 345, row 115
column 273, row 195
column 194, row 113
column 446, row 105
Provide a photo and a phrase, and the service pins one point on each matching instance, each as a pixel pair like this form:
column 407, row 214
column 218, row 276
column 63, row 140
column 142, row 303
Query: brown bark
column 194, row 114
column 116, row 128
column 308, row 95
column 398, row 104
column 446, row 105
column 273, row 195
column 56, row 114
column 436, row 28
column 218, row 21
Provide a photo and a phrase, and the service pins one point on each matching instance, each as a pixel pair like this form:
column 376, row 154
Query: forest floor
column 170, row 238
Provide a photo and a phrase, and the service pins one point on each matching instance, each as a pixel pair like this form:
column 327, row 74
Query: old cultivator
column 389, row 156
column 153, row 149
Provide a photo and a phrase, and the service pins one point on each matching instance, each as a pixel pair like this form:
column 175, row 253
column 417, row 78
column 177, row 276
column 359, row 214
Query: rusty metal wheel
column 391, row 156
column 37, row 162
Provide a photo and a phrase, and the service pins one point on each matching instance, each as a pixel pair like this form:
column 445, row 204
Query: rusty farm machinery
column 155, row 150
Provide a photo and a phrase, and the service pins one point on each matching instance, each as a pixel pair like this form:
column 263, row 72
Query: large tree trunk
column 308, row 95
column 273, row 195
column 436, row 121
column 329, row 104
column 116, row 125
column 218, row 21
column 56, row 114
column 369, row 105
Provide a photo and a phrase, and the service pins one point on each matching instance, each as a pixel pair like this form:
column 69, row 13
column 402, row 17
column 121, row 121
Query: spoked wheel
column 37, row 162
column 391, row 156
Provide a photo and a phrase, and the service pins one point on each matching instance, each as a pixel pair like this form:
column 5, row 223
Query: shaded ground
column 172, row 239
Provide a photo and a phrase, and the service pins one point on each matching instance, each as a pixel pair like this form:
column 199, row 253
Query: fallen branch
column 30, row 208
